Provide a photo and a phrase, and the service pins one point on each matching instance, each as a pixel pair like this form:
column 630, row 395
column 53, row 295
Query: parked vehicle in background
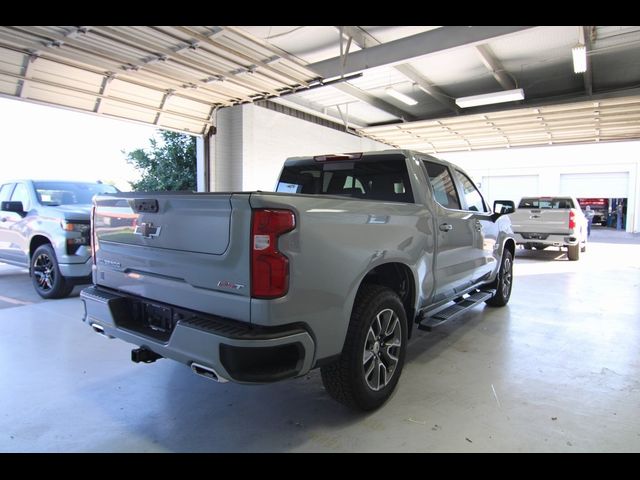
column 44, row 226
column 541, row 222
column 599, row 207
column 330, row 272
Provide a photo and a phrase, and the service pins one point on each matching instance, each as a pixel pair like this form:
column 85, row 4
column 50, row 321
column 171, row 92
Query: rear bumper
column 235, row 350
column 546, row 239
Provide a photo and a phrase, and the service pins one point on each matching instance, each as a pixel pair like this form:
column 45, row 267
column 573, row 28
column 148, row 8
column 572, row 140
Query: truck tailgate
column 176, row 248
column 535, row 220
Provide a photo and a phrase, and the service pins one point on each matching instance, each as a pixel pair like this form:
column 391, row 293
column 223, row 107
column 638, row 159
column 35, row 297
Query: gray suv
column 44, row 226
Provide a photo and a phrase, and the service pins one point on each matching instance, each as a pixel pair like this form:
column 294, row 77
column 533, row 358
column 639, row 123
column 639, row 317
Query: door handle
column 478, row 226
column 446, row 227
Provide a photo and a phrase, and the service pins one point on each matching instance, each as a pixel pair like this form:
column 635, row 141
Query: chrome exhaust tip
column 207, row 372
column 99, row 329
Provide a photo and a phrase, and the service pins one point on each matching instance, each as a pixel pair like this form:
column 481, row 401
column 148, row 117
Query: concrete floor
column 557, row 370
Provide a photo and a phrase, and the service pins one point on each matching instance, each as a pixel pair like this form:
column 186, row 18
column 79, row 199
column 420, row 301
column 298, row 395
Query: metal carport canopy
column 175, row 77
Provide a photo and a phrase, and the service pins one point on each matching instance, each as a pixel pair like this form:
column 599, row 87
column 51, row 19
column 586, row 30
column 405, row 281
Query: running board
column 460, row 306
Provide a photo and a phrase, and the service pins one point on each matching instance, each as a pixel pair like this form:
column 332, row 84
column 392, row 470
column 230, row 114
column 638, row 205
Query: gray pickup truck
column 44, row 226
column 332, row 271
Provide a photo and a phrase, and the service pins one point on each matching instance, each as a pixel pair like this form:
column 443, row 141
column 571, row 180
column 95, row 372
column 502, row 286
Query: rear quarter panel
column 336, row 242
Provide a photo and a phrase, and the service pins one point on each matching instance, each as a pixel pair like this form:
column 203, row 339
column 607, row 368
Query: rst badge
column 230, row 285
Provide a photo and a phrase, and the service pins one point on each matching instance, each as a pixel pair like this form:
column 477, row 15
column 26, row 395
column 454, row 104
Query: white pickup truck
column 541, row 222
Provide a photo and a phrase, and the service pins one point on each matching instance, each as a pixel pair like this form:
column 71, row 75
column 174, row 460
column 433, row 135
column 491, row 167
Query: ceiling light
column 489, row 98
column 400, row 96
column 579, row 59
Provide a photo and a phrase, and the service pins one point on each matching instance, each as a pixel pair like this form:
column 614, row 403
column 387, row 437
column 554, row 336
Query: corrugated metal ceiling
column 592, row 121
column 177, row 76
column 172, row 77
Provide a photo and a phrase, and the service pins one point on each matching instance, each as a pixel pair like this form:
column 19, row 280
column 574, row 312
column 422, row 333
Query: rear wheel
column 46, row 276
column 369, row 368
column 503, row 282
column 573, row 252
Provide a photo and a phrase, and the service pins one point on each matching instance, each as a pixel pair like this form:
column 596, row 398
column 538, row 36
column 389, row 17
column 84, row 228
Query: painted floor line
column 14, row 301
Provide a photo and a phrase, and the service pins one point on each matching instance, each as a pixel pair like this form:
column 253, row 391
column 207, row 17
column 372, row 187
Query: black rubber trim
column 262, row 364
column 326, row 361
column 224, row 327
column 79, row 280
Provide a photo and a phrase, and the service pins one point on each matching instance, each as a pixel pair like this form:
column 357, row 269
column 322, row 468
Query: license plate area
column 158, row 318
column 535, row 236
column 150, row 319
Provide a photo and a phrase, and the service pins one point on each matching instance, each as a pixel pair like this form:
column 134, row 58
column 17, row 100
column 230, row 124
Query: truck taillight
column 92, row 234
column 269, row 267
column 572, row 219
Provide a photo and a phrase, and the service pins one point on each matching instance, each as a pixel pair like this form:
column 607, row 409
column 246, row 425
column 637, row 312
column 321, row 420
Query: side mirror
column 504, row 207
column 15, row 207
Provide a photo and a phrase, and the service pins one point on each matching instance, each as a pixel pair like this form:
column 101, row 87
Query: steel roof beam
column 585, row 39
column 427, row 87
column 104, row 92
column 408, row 48
column 163, row 105
column 28, row 71
column 375, row 101
column 364, row 40
column 311, row 108
column 495, row 67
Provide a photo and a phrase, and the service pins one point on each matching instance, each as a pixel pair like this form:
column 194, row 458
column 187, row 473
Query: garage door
column 509, row 187
column 606, row 185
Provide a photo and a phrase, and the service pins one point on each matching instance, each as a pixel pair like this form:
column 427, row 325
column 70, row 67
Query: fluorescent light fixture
column 489, row 98
column 579, row 59
column 400, row 96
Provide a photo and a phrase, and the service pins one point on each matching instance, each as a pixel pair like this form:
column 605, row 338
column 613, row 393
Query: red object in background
column 594, row 202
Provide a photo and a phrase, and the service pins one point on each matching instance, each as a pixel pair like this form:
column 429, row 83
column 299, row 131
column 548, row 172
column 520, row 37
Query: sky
column 54, row 143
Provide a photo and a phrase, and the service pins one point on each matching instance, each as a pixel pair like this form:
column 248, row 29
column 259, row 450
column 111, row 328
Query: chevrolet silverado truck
column 331, row 271
column 541, row 222
column 44, row 226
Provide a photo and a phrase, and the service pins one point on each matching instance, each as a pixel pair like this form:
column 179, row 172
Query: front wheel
column 369, row 368
column 45, row 274
column 503, row 282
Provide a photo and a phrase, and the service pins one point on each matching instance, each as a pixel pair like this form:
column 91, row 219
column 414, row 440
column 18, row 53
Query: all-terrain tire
column 368, row 370
column 503, row 282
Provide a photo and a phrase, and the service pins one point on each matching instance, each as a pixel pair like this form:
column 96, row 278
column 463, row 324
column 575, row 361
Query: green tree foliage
column 169, row 164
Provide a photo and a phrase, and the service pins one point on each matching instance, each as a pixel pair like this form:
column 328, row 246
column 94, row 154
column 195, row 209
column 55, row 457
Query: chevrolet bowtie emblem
column 147, row 230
